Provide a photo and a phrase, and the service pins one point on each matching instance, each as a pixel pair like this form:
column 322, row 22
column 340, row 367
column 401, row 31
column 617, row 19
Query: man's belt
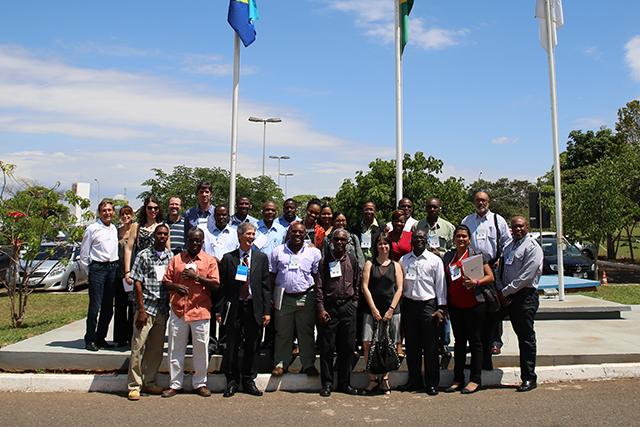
column 299, row 294
column 111, row 263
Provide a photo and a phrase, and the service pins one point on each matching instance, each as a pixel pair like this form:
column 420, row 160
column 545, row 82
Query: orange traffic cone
column 604, row 280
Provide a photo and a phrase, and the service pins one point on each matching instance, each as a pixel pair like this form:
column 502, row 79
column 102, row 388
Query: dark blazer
column 356, row 229
column 258, row 281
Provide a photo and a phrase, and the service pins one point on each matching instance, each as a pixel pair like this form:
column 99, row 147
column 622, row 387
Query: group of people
column 292, row 283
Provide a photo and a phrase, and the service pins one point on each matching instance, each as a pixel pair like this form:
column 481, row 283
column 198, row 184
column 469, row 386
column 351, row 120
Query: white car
column 56, row 268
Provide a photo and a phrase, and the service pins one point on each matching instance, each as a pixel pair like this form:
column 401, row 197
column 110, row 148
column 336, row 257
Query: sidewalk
column 568, row 349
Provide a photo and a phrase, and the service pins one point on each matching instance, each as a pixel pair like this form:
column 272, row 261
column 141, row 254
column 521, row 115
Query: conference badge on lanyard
column 334, row 269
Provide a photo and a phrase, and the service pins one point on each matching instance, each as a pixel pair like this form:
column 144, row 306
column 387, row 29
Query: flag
column 405, row 10
column 557, row 20
column 242, row 13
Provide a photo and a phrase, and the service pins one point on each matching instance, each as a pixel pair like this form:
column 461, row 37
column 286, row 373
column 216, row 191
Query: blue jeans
column 102, row 278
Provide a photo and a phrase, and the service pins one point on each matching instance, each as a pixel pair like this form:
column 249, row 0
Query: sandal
column 385, row 389
column 453, row 388
column 373, row 390
column 470, row 390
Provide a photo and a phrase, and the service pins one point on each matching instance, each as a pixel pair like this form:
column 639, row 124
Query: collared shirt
column 299, row 279
column 155, row 296
column 219, row 242
column 487, row 244
column 429, row 281
column 344, row 287
column 192, row 219
column 408, row 224
column 522, row 264
column 283, row 222
column 176, row 233
column 443, row 229
column 99, row 244
column 234, row 222
column 196, row 303
column 276, row 236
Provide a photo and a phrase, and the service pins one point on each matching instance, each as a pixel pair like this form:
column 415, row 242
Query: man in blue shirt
column 243, row 204
column 289, row 213
column 202, row 212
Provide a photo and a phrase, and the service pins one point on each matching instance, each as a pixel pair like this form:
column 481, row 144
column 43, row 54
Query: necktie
column 244, row 289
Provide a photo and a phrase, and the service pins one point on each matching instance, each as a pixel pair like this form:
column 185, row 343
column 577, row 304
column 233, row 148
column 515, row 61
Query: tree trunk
column 611, row 247
column 629, row 233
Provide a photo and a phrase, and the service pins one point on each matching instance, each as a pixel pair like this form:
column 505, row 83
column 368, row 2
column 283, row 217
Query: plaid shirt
column 154, row 295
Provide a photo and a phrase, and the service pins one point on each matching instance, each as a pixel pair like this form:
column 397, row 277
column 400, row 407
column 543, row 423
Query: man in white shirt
column 425, row 298
column 221, row 238
column 99, row 257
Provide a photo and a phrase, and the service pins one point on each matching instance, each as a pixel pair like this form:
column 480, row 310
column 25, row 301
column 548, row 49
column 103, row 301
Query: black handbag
column 383, row 354
column 490, row 297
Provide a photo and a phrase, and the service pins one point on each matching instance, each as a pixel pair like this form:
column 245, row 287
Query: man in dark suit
column 244, row 305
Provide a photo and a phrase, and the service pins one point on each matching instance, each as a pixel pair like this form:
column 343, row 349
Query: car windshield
column 58, row 253
column 550, row 248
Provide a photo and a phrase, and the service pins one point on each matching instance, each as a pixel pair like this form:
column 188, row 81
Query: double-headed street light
column 264, row 136
column 286, row 175
column 279, row 158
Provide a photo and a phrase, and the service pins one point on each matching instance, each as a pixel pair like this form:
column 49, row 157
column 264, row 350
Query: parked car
column 575, row 264
column 51, row 273
column 586, row 249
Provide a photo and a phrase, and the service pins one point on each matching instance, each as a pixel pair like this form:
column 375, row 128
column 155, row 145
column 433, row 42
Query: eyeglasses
column 194, row 240
column 153, row 208
column 405, row 206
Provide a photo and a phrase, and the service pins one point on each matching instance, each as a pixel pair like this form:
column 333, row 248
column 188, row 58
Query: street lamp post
column 264, row 135
column 96, row 180
column 279, row 158
column 286, row 175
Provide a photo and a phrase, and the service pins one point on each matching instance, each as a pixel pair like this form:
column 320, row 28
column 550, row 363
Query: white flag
column 557, row 20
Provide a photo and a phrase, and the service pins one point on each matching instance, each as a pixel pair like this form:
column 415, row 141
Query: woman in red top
column 466, row 309
column 401, row 239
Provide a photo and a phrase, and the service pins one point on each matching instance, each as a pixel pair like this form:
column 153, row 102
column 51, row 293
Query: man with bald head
column 439, row 230
column 517, row 282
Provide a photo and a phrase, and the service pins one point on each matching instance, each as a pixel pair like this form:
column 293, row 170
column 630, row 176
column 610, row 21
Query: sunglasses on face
column 153, row 208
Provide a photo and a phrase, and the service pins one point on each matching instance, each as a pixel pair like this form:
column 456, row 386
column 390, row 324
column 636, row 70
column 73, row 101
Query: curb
column 41, row 383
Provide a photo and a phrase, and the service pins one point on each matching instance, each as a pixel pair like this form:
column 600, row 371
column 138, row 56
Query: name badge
column 434, row 241
column 202, row 221
column 455, row 272
column 160, row 270
column 260, row 241
column 221, row 240
column 334, row 269
column 191, row 266
column 481, row 233
column 412, row 272
column 365, row 241
column 294, row 262
column 510, row 258
column 242, row 273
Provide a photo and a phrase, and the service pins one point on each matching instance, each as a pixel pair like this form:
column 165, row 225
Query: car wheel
column 71, row 282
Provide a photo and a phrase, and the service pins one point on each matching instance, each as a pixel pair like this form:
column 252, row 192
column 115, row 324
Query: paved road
column 606, row 403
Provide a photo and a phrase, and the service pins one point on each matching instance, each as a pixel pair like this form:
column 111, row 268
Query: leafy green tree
column 30, row 215
column 587, row 148
column 628, row 125
column 184, row 180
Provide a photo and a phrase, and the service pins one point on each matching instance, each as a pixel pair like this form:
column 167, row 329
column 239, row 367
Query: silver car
column 51, row 273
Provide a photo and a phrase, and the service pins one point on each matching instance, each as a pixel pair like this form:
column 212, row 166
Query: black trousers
column 467, row 325
column 521, row 311
column 122, row 314
column 339, row 334
column 421, row 337
column 244, row 325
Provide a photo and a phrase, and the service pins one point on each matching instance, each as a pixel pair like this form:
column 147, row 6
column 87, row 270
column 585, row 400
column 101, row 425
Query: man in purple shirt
column 294, row 272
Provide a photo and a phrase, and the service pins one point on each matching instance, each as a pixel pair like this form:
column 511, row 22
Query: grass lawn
column 44, row 313
column 629, row 294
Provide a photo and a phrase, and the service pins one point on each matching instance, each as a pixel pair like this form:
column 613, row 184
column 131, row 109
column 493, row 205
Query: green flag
column 405, row 10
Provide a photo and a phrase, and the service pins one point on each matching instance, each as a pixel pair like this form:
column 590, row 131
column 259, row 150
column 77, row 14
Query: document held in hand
column 473, row 267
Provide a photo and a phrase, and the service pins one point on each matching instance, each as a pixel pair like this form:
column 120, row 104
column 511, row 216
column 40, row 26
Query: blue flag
column 242, row 13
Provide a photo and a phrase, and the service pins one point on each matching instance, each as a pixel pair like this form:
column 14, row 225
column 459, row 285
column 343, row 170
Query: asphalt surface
column 606, row 403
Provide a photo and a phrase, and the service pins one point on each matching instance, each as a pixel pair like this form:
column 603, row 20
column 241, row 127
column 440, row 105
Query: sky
column 102, row 92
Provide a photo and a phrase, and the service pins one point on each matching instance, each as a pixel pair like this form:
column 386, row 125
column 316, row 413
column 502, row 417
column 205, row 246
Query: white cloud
column 504, row 140
column 594, row 122
column 376, row 17
column 633, row 56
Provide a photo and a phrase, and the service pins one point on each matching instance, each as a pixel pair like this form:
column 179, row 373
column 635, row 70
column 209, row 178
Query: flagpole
column 234, row 124
column 556, row 152
column 399, row 154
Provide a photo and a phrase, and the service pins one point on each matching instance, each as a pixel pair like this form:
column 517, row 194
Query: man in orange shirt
column 190, row 278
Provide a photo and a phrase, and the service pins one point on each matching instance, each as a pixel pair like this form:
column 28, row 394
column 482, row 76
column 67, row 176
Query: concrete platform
column 566, row 341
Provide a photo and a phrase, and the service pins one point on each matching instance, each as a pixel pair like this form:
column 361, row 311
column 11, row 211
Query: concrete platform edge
column 301, row 383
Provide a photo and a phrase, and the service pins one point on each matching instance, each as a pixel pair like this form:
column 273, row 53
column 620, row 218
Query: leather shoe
column 469, row 391
column 495, row 349
column 134, row 395
column 252, row 390
column 154, row 389
column 104, row 344
column 347, row 389
column 453, row 388
column 278, row 371
column 527, row 385
column 170, row 392
column 311, row 371
column 202, row 391
column 409, row 387
column 326, row 391
column 230, row 391
column 432, row 391
column 91, row 346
